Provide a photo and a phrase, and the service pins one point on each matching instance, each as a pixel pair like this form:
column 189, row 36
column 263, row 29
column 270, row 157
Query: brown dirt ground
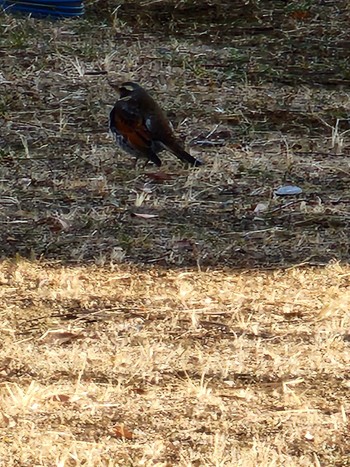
column 216, row 330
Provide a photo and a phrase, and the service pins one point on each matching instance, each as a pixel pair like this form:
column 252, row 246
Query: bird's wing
column 126, row 119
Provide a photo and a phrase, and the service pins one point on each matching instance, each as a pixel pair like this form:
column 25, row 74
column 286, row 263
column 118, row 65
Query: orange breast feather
column 134, row 131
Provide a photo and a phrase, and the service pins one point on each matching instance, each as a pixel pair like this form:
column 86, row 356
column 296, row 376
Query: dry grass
column 208, row 368
column 215, row 330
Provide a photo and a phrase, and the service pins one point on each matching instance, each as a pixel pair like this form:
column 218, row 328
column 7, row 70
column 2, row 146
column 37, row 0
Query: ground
column 187, row 316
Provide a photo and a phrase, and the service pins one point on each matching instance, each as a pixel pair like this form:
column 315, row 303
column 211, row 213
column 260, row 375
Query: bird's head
column 128, row 88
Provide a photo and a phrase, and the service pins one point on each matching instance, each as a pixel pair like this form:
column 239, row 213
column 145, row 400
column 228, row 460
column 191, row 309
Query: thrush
column 141, row 128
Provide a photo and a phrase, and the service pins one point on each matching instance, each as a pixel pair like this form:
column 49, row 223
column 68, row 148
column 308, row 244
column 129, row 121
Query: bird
column 141, row 128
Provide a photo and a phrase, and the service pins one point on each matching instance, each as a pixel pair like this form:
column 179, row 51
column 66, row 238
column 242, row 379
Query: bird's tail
column 181, row 154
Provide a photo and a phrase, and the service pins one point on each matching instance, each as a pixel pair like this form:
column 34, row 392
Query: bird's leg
column 145, row 164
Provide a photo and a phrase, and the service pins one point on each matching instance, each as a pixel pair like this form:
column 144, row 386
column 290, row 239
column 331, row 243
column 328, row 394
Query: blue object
column 288, row 190
column 43, row 8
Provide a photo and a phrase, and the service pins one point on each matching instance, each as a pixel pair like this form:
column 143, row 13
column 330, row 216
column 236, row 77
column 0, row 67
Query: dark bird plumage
column 141, row 127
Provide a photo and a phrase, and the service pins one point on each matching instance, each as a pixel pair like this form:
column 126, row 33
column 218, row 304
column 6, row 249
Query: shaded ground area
column 259, row 92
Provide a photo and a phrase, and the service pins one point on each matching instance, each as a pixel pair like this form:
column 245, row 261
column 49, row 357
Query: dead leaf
column 55, row 223
column 184, row 244
column 6, row 420
column 139, row 390
column 144, row 216
column 159, row 177
column 59, row 337
column 261, row 207
column 300, row 14
column 121, row 431
column 59, row 398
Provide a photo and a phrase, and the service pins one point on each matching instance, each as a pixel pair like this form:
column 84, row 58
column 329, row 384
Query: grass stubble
column 207, row 368
column 196, row 321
